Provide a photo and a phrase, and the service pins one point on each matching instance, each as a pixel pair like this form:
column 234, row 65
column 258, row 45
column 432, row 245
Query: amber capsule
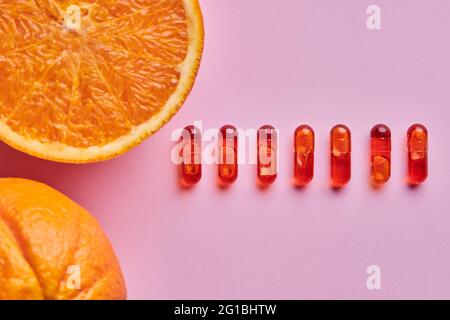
column 190, row 153
column 303, row 155
column 417, row 153
column 340, row 149
column 228, row 150
column 267, row 154
column 380, row 146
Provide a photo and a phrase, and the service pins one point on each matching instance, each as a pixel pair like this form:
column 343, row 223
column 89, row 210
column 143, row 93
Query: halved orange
column 84, row 81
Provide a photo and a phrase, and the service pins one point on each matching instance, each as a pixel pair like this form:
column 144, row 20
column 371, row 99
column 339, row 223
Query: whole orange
column 51, row 248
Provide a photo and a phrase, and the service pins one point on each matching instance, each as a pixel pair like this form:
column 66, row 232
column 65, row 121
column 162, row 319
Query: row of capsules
column 340, row 155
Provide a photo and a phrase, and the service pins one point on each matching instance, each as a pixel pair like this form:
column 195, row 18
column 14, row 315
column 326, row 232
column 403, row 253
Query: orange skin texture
column 42, row 233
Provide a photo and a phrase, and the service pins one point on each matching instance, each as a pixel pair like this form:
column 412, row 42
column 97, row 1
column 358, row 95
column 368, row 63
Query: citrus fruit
column 51, row 248
column 83, row 81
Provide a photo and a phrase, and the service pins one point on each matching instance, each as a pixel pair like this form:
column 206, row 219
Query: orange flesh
column 88, row 87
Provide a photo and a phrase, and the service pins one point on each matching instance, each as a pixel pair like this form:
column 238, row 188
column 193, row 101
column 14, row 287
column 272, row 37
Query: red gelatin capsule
column 380, row 146
column 340, row 148
column 228, row 150
column 191, row 166
column 417, row 153
column 267, row 154
column 303, row 155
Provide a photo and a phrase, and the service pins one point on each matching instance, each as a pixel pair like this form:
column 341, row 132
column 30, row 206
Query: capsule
column 340, row 149
column 267, row 154
column 228, row 159
column 190, row 153
column 380, row 146
column 303, row 155
column 417, row 153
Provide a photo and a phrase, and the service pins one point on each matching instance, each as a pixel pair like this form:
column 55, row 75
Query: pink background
column 286, row 63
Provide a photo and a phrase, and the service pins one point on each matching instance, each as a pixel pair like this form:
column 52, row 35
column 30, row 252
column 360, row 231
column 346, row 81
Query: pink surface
column 286, row 63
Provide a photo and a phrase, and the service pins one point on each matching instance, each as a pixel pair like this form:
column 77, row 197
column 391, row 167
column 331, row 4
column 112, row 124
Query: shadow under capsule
column 299, row 186
column 336, row 188
column 263, row 185
column 224, row 184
